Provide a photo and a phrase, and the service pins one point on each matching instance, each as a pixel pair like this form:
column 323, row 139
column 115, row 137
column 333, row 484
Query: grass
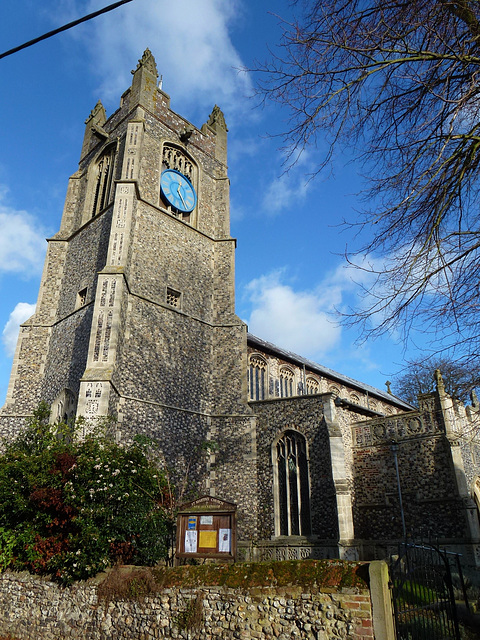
column 413, row 593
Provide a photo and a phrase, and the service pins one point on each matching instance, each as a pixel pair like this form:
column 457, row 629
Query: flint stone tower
column 135, row 316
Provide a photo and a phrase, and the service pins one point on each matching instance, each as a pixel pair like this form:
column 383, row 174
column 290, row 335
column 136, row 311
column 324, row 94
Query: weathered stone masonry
column 136, row 319
column 34, row 608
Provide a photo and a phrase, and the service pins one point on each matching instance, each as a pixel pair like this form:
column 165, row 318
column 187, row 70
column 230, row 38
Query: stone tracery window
column 292, row 485
column 313, row 386
column 63, row 407
column 81, row 298
column 175, row 158
column 257, row 378
column 286, row 382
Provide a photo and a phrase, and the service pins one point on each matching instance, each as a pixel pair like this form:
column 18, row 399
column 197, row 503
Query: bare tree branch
column 418, row 377
column 397, row 81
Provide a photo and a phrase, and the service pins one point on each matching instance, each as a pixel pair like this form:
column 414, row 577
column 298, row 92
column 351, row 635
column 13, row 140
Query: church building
column 136, row 319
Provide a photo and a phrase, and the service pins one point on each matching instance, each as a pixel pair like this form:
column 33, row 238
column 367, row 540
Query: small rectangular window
column 173, row 298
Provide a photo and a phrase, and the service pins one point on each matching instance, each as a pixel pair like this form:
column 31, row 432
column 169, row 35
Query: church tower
column 135, row 316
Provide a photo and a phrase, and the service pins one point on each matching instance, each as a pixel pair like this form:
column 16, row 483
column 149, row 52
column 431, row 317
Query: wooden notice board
column 206, row 528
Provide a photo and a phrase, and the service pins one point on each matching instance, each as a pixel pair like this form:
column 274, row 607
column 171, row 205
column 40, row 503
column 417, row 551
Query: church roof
column 294, row 358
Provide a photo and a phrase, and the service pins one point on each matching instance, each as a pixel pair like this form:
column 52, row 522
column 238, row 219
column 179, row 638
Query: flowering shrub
column 72, row 508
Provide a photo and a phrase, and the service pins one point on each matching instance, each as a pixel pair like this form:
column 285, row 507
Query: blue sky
column 290, row 272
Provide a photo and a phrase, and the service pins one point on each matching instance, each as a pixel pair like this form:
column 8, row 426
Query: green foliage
column 72, row 508
column 7, row 545
column 412, row 593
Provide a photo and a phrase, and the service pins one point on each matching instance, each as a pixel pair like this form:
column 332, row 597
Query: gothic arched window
column 313, row 386
column 103, row 181
column 292, row 486
column 354, row 398
column 257, row 378
column 175, row 158
column 63, row 407
column 286, row 383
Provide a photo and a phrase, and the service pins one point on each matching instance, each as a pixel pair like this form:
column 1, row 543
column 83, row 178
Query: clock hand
column 180, row 194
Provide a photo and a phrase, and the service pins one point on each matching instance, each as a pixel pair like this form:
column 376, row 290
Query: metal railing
column 422, row 594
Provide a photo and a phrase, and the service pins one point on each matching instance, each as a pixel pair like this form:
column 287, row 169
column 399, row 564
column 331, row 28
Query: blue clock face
column 178, row 190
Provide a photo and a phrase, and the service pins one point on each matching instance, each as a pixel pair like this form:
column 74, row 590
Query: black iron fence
column 422, row 594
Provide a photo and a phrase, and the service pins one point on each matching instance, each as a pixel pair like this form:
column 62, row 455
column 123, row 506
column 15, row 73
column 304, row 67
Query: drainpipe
column 394, row 449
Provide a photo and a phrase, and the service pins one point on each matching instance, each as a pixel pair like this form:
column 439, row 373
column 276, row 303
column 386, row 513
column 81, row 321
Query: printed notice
column 206, row 519
column 190, row 541
column 192, row 522
column 208, row 540
column 224, row 537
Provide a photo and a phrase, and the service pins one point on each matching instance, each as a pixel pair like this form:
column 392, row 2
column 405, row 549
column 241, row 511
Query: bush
column 72, row 508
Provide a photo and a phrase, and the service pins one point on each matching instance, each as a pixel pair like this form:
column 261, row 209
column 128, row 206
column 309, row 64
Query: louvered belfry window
column 103, row 183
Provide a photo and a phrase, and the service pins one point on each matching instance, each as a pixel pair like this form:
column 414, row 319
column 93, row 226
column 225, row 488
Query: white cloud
column 307, row 322
column 22, row 241
column 241, row 150
column 283, row 192
column 189, row 39
column 291, row 187
column 347, row 280
column 295, row 320
column 22, row 312
column 365, row 289
column 237, row 212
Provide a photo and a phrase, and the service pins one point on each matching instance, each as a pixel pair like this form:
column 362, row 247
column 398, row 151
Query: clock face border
column 185, row 206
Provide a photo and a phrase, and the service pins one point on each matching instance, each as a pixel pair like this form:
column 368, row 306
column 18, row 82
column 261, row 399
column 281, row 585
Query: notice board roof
column 207, row 503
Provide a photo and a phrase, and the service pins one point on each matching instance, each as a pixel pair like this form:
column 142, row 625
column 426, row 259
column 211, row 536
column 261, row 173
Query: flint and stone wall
column 31, row 607
column 306, row 415
column 436, row 502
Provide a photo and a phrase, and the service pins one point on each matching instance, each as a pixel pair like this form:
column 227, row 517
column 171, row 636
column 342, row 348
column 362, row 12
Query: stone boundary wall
column 32, row 608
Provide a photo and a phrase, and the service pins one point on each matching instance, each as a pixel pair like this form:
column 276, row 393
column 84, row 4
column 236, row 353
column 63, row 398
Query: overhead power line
column 110, row 7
